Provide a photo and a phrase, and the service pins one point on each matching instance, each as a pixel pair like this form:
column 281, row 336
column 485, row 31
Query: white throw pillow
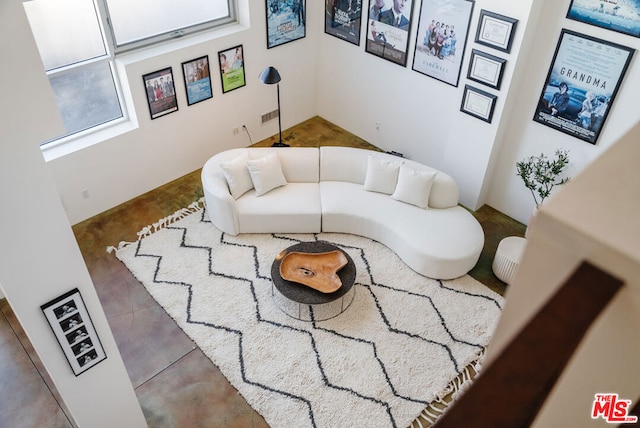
column 414, row 186
column 266, row 173
column 237, row 175
column 382, row 175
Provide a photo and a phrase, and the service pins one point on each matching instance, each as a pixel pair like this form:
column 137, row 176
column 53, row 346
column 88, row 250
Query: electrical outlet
column 377, row 125
column 236, row 130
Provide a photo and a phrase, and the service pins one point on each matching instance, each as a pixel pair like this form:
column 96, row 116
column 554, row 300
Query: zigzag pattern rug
column 399, row 347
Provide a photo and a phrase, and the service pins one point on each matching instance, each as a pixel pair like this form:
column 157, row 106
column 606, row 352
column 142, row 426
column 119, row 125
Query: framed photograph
column 496, row 31
column 286, row 21
column 388, row 29
column 161, row 93
column 442, row 38
column 486, row 69
column 478, row 103
column 232, row 68
column 622, row 16
column 342, row 19
column 72, row 326
column 197, row 80
column 581, row 85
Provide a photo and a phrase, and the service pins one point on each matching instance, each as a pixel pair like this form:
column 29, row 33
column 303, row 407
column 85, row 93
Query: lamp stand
column 279, row 143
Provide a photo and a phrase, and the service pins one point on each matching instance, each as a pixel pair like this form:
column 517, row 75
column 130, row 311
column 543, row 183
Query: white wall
column 161, row 150
column 420, row 116
column 524, row 137
column 339, row 81
column 39, row 257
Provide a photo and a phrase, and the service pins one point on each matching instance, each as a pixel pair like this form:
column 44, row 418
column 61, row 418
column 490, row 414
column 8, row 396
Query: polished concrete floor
column 176, row 385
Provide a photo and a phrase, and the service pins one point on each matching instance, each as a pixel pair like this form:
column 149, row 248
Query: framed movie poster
column 496, row 30
column 72, row 326
column 161, row 94
column 478, row 103
column 388, row 29
column 342, row 19
column 232, row 68
column 486, row 69
column 581, row 85
column 285, row 21
column 197, row 80
column 442, row 38
column 622, row 16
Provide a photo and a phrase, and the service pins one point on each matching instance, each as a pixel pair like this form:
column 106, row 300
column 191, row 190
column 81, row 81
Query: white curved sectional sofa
column 409, row 207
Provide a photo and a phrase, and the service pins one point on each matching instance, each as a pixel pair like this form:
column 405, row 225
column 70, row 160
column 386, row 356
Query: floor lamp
column 270, row 76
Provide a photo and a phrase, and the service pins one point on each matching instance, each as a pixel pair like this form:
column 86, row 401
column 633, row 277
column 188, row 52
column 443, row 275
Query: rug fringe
column 162, row 223
column 452, row 392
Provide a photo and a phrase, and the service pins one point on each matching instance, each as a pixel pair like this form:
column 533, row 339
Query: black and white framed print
column 581, row 85
column 486, row 69
column 342, row 19
column 496, row 30
column 72, row 326
column 388, row 29
column 161, row 93
column 478, row 103
column 442, row 37
column 286, row 21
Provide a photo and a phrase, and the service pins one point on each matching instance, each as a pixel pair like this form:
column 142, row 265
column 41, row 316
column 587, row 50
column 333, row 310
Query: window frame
column 68, row 143
column 163, row 37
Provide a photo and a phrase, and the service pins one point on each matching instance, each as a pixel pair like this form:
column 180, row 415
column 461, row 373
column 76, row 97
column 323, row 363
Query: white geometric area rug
column 395, row 350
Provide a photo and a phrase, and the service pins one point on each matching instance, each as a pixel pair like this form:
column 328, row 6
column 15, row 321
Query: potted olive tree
column 541, row 174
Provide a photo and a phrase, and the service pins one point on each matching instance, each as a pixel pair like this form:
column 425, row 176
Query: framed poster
column 342, row 19
column 232, row 68
column 478, row 103
column 486, row 69
column 581, row 85
column 161, row 94
column 285, row 21
column 72, row 326
column 388, row 29
column 622, row 16
column 197, row 80
column 496, row 31
column 442, row 38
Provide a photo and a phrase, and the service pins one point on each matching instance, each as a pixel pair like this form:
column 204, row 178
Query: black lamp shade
column 270, row 76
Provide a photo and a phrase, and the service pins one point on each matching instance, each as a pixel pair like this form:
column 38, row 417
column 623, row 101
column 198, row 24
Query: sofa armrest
column 221, row 207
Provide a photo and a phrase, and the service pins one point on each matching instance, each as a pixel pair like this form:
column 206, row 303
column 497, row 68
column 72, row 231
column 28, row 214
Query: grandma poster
column 581, row 85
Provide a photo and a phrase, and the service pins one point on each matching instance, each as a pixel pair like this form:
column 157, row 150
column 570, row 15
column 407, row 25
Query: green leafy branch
column 541, row 174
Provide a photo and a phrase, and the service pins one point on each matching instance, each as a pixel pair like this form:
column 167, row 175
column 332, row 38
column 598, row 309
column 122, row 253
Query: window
column 140, row 22
column 78, row 41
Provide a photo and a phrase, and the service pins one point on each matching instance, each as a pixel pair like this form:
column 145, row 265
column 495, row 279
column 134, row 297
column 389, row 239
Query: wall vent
column 268, row 117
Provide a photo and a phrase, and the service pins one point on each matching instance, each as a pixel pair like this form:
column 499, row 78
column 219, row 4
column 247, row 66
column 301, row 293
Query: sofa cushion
column 350, row 164
column 414, row 186
column 382, row 175
column 266, row 173
column 294, row 208
column 237, row 175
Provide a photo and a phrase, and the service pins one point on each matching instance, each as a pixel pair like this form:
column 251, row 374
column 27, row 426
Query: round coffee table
column 305, row 303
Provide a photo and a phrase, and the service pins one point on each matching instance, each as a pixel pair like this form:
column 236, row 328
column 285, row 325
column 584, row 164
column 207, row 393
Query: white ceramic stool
column 508, row 257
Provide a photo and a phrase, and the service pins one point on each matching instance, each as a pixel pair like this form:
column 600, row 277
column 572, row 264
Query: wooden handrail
column 510, row 392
